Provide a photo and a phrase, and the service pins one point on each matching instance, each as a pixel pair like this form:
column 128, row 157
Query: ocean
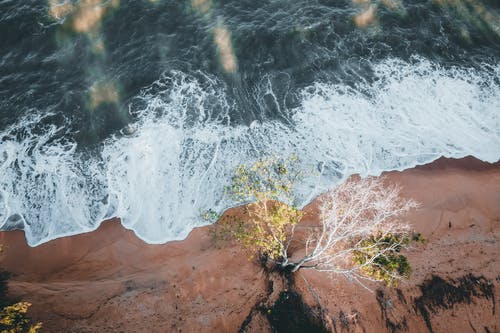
column 142, row 109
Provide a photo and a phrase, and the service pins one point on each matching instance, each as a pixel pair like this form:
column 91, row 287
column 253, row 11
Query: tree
column 13, row 318
column 359, row 232
column 269, row 216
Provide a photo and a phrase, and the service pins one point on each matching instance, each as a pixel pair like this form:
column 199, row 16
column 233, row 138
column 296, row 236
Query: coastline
column 109, row 280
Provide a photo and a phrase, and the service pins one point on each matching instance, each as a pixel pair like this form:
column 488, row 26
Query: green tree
column 13, row 317
column 270, row 216
column 359, row 233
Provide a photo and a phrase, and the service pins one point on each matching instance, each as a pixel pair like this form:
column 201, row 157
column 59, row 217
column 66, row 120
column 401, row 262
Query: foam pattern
column 184, row 149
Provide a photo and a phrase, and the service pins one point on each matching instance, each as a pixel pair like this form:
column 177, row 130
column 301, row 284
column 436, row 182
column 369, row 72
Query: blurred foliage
column 13, row 317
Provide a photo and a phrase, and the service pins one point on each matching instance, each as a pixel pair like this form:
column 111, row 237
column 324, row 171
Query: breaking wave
column 183, row 149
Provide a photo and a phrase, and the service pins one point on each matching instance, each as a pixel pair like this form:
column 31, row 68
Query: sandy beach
column 110, row 281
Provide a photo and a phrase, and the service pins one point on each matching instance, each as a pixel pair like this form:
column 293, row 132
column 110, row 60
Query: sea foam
column 160, row 179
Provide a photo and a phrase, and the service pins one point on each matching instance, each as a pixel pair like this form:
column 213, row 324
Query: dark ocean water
column 141, row 109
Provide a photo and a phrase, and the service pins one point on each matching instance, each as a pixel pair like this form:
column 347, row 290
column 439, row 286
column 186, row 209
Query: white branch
column 350, row 214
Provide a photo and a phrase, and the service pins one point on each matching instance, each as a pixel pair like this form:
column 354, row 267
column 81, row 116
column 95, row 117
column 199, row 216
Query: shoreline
column 110, row 280
column 468, row 162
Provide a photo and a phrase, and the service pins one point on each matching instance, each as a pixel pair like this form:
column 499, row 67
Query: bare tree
column 359, row 233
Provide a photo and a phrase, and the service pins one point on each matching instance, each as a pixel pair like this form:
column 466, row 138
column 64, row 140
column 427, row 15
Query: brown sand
column 110, row 281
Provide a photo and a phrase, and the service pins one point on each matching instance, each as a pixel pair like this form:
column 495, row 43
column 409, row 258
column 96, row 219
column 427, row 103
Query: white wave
column 411, row 115
column 175, row 166
column 46, row 187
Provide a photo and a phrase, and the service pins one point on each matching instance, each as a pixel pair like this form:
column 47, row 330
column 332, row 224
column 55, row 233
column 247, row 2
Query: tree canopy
column 359, row 232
